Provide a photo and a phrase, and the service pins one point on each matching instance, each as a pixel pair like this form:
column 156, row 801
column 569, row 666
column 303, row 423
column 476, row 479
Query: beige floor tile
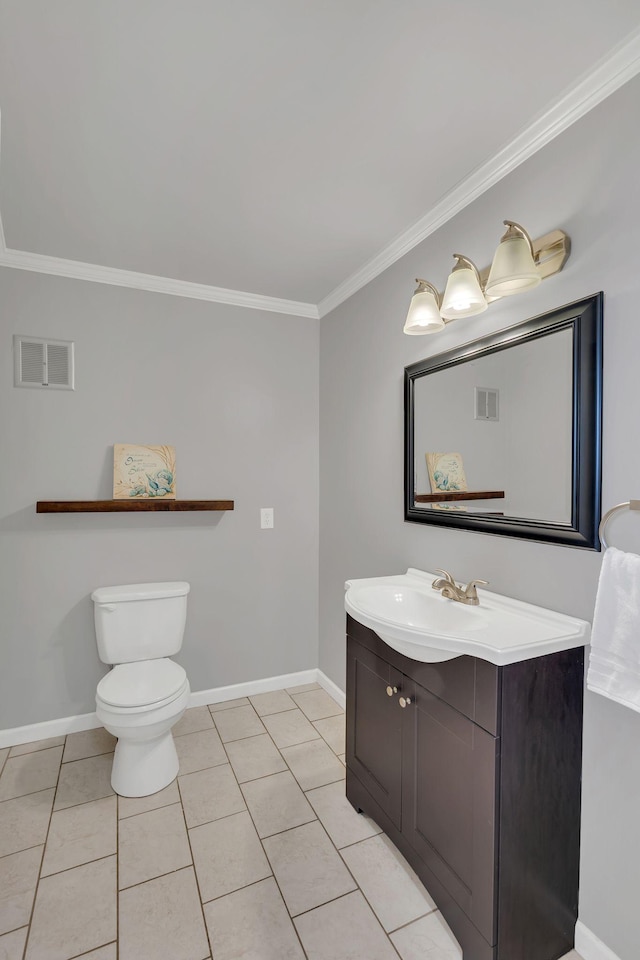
column 194, row 720
column 345, row 928
column 88, row 743
column 338, row 817
column 332, row 729
column 227, row 855
column 84, row 780
column 103, row 953
column 276, row 803
column 254, row 757
column 12, row 944
column 75, row 912
column 252, row 924
column 30, row 773
column 24, row 821
column 313, row 764
column 289, row 728
column 388, row 882
column 303, row 688
column 239, row 723
column 342, row 758
column 152, row 844
column 18, row 880
column 274, row 702
column 427, row 939
column 163, row 919
column 81, row 834
column 196, row 751
column 36, row 745
column 307, row 867
column 316, row 704
column 4, row 753
column 228, row 704
column 131, row 806
column 210, row 794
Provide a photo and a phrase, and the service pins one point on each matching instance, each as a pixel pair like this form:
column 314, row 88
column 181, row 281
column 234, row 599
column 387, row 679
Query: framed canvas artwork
column 143, row 471
column 446, row 472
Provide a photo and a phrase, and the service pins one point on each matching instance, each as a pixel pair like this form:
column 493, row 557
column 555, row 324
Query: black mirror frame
column 584, row 318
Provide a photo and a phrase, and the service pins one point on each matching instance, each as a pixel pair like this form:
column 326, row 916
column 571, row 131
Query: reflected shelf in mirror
column 459, row 495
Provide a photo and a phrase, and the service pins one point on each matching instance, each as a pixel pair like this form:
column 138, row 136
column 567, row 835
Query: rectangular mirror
column 503, row 435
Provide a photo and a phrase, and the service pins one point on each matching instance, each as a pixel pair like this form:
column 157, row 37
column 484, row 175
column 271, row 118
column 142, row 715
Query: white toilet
column 138, row 627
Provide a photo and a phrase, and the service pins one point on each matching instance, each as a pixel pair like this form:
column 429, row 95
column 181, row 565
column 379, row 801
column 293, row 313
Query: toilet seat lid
column 142, row 683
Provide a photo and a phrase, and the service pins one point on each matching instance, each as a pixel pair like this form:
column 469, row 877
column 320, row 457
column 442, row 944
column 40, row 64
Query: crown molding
column 611, row 73
column 75, row 269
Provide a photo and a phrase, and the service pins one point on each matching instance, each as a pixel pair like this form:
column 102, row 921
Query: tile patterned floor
column 253, row 853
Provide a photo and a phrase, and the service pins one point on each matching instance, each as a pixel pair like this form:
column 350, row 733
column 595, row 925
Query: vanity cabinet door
column 449, row 803
column 374, row 727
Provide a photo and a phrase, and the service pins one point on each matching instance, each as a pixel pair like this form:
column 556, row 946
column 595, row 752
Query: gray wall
column 585, row 181
column 236, row 392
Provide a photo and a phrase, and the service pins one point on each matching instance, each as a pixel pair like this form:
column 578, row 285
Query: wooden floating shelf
column 130, row 506
column 459, row 495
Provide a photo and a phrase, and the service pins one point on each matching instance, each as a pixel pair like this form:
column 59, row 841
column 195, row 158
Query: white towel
column 614, row 658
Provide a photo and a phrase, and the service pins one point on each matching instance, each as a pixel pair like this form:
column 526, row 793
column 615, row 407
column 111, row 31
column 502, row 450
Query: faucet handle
column 437, row 584
column 470, row 591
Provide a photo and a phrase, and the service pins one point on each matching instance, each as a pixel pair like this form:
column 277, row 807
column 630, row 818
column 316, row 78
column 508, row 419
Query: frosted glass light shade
column 463, row 296
column 513, row 269
column 424, row 314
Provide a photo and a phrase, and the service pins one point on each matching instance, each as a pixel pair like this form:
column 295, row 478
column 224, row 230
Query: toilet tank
column 140, row 621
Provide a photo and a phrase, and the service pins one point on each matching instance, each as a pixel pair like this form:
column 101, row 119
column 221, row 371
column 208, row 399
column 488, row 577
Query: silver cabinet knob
column 404, row 702
column 391, row 691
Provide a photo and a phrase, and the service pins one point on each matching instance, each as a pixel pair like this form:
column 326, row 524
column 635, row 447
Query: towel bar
column 628, row 504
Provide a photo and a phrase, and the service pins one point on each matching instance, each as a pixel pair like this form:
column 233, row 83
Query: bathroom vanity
column 473, row 770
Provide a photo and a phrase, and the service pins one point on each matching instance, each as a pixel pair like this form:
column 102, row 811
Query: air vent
column 43, row 363
column 487, row 403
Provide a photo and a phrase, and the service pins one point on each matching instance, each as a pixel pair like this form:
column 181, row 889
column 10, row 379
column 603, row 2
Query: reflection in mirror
column 510, row 416
column 502, row 435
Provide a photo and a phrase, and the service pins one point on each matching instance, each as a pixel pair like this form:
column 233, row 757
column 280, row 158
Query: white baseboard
column 591, row 947
column 252, row 687
column 88, row 721
column 332, row 689
column 49, row 728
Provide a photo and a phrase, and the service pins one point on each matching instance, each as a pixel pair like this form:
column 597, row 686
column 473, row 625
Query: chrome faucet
column 450, row 589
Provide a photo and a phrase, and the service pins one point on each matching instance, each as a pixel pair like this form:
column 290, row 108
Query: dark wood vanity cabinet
column 476, row 779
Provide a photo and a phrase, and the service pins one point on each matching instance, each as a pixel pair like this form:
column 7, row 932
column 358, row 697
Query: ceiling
column 279, row 148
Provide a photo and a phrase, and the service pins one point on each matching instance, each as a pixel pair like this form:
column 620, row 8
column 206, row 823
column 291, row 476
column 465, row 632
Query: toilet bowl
column 145, row 758
column 146, row 693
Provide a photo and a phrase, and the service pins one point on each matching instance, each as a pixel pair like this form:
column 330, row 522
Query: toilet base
column 141, row 768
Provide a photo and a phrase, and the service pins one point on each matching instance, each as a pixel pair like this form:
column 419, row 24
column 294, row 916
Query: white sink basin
column 417, row 621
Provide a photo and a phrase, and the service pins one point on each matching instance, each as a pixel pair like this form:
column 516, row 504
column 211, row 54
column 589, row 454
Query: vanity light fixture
column 514, row 267
column 519, row 264
column 424, row 313
column 463, row 296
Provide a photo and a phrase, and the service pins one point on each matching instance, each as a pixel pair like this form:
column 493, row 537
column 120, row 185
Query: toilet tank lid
column 140, row 591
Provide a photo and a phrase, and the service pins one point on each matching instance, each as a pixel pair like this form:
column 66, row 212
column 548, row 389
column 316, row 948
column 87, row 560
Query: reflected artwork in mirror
column 522, row 410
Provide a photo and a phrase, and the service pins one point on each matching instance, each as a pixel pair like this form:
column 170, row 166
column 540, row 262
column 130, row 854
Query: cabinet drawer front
column 374, row 728
column 449, row 804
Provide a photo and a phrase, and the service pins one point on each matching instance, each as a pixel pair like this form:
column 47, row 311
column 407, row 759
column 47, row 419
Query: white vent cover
column 487, row 407
column 43, row 363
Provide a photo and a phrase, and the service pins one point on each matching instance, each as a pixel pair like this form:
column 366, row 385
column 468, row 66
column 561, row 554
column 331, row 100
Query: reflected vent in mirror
column 43, row 363
column 487, row 406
